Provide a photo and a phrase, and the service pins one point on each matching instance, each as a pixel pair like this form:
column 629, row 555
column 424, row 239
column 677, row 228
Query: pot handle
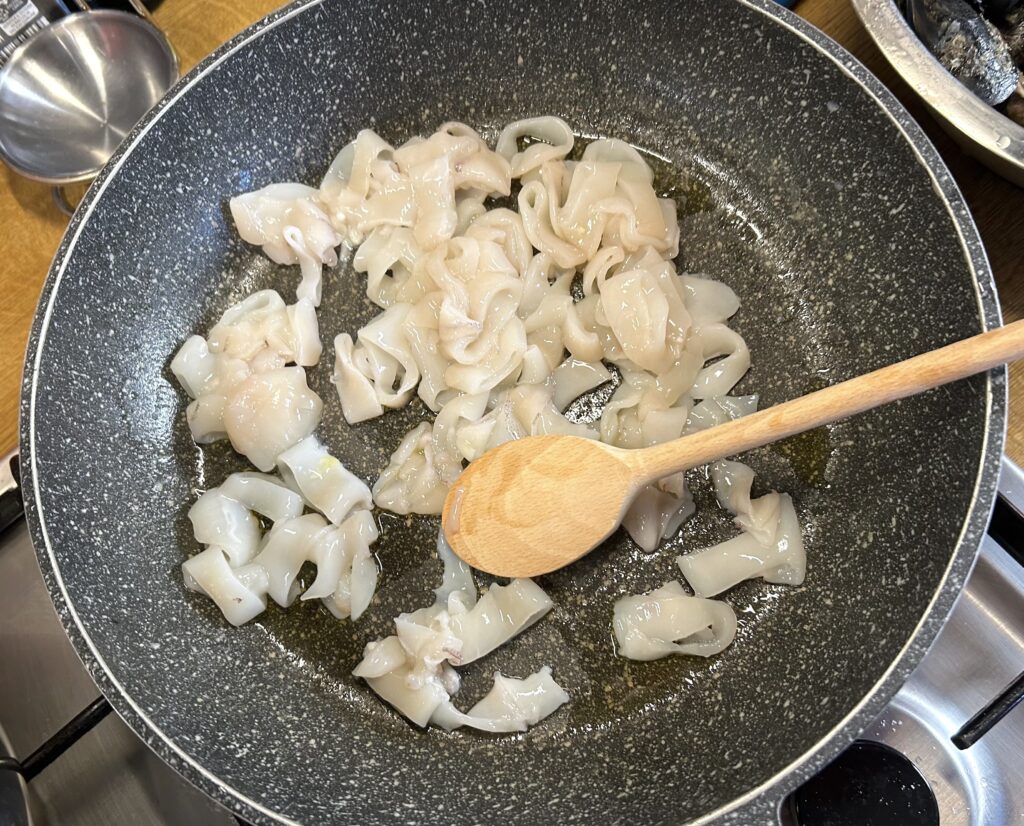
column 11, row 507
column 60, row 200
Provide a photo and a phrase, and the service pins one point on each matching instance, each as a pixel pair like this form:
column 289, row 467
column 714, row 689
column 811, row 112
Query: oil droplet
column 808, row 454
column 1003, row 141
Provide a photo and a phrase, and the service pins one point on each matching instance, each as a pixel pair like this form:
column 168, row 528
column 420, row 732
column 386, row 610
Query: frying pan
column 801, row 183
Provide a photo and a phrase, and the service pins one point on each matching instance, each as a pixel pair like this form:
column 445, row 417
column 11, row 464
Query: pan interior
column 843, row 255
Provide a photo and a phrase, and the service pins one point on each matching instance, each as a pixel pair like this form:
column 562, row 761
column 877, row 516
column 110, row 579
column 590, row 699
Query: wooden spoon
column 535, row 505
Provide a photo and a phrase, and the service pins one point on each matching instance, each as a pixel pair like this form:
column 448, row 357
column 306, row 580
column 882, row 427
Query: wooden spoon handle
column 906, row 378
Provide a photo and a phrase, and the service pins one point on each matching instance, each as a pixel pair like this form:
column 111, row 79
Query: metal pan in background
column 72, row 92
column 801, row 182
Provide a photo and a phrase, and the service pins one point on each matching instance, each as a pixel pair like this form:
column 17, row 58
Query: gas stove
column 948, row 749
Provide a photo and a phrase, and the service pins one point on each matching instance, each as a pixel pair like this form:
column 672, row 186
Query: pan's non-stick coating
column 849, row 248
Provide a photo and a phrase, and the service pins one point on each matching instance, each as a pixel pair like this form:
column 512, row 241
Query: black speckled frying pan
column 801, row 183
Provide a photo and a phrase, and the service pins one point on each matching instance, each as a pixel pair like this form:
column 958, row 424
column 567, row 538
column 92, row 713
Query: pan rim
column 759, row 804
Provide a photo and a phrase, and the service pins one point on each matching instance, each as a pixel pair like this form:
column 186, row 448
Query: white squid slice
column 226, row 523
column 358, row 397
column 501, row 613
column 669, row 621
column 289, row 223
column 553, row 141
column 760, row 517
column 417, row 700
column 572, row 378
column 205, row 418
column 358, row 582
column 286, row 547
column 510, row 705
column 709, row 301
column 457, row 586
column 209, row 573
column 269, row 412
column 194, row 366
column 412, row 670
column 306, row 347
column 266, row 495
column 380, row 657
column 716, row 569
column 323, row 480
column 410, row 483
column 719, row 410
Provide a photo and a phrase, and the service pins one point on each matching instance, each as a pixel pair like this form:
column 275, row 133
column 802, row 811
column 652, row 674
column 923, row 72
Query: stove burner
column 867, row 784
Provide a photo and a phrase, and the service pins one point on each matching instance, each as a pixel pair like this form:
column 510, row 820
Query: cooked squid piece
column 510, row 705
column 288, row 221
column 669, row 621
column 413, row 669
column 550, row 138
column 502, row 612
column 234, row 374
column 770, row 545
column 358, row 398
column 410, row 483
column 226, row 523
column 262, row 493
column 324, row 482
column 353, row 591
column 240, row 593
column 456, row 580
column 264, row 331
column 241, row 567
column 658, row 511
column 270, row 412
column 285, row 548
column 346, row 569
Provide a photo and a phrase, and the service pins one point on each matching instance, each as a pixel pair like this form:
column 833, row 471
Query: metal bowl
column 981, row 131
column 70, row 94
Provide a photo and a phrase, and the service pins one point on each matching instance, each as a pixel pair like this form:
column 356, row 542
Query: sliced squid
column 288, row 221
column 359, row 400
column 782, row 560
column 669, row 621
column 457, row 580
column 323, row 480
column 195, row 367
column 412, row 670
column 411, row 482
column 266, row 495
column 287, row 546
column 416, row 700
column 572, row 378
column 381, row 657
column 758, row 517
column 269, row 412
column 240, row 593
column 226, row 523
column 719, row 410
column 658, row 511
column 346, row 568
column 709, row 301
column 500, row 614
column 353, row 592
column 257, row 336
column 552, row 140
column 510, row 705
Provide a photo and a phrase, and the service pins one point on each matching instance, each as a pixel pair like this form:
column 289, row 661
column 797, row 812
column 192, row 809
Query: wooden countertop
column 32, row 226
